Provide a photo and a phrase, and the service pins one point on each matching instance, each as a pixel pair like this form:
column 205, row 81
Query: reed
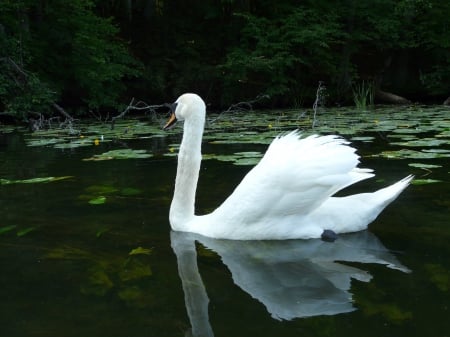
column 363, row 94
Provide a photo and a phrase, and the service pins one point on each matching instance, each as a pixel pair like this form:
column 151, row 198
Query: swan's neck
column 189, row 159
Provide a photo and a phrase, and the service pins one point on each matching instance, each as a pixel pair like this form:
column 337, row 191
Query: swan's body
column 288, row 195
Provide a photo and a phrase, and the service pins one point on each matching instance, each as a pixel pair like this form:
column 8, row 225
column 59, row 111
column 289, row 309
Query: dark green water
column 68, row 267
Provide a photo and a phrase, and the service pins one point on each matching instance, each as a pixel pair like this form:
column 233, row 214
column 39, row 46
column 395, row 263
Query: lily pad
column 120, row 154
column 424, row 142
column 238, row 158
column 366, row 139
column 245, row 161
column 412, row 154
column 43, row 142
column 424, row 166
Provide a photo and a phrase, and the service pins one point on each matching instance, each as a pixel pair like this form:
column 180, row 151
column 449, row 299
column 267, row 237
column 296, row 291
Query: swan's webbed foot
column 328, row 235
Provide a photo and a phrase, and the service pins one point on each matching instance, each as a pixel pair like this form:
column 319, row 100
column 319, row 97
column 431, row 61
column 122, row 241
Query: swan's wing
column 294, row 177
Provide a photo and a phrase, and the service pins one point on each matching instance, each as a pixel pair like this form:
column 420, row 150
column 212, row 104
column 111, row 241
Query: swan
column 287, row 195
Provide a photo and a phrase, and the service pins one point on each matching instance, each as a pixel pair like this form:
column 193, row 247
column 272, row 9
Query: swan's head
column 186, row 107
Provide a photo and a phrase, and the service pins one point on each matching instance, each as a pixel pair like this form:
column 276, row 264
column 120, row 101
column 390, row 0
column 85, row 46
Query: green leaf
column 140, row 250
column 98, row 200
column 425, row 181
column 7, row 229
column 129, row 191
column 25, row 231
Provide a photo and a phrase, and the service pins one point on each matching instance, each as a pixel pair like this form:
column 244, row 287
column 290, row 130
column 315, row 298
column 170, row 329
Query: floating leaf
column 25, row 231
column 412, row 154
column 120, row 154
column 247, row 161
column 129, row 191
column 238, row 158
column 424, row 142
column 98, row 201
column 442, row 151
column 425, row 181
column 43, row 142
column 6, row 229
column 74, row 143
column 424, row 166
column 366, row 139
column 140, row 250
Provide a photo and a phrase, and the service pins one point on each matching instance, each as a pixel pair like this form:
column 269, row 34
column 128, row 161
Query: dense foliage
column 92, row 54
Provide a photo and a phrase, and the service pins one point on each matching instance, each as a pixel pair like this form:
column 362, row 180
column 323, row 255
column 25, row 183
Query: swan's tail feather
column 388, row 194
column 365, row 206
column 395, row 189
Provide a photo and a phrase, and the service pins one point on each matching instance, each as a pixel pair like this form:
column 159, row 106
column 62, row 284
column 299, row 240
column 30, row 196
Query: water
column 71, row 267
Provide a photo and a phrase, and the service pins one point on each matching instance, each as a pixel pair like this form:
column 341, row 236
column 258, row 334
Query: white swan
column 288, row 195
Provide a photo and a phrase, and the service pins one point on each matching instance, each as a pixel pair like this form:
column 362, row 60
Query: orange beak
column 172, row 120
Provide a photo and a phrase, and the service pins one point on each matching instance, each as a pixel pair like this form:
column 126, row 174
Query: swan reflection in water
column 291, row 278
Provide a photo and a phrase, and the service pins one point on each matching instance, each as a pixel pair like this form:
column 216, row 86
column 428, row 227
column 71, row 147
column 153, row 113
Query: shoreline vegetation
column 64, row 61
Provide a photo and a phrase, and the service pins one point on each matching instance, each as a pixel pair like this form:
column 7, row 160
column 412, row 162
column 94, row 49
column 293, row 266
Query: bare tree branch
column 137, row 105
column 241, row 106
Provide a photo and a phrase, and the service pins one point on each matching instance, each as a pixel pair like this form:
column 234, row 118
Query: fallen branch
column 139, row 105
column 62, row 112
column 241, row 106
column 246, row 105
column 388, row 97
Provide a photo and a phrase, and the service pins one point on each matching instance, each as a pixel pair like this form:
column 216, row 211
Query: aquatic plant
column 363, row 94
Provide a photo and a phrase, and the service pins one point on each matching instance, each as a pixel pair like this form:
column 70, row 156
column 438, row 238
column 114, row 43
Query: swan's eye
column 173, row 107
